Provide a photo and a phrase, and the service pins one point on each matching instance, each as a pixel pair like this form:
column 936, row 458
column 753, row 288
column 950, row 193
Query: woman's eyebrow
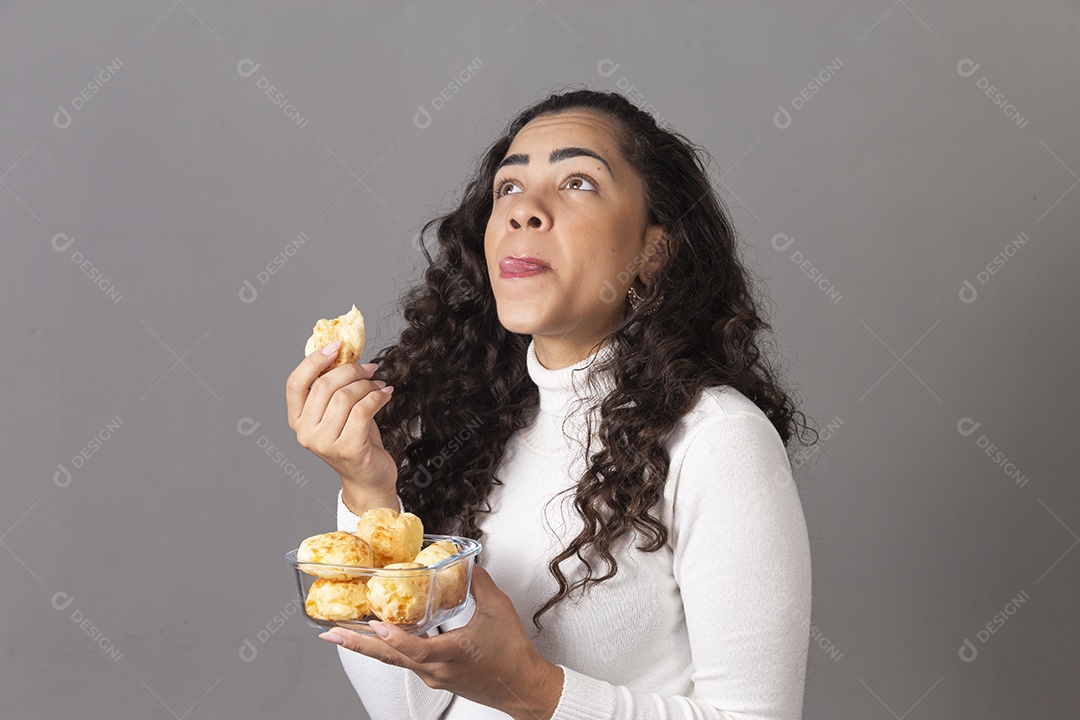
column 556, row 156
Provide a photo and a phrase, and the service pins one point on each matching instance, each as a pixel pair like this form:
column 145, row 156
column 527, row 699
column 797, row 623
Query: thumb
column 490, row 601
column 482, row 583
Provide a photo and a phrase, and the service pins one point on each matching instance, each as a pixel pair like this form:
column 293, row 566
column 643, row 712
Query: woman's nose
column 528, row 212
column 533, row 221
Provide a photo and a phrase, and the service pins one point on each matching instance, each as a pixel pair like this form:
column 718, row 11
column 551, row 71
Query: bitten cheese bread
column 348, row 328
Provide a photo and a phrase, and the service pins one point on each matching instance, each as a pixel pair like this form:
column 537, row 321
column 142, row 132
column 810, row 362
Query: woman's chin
column 521, row 320
column 520, row 327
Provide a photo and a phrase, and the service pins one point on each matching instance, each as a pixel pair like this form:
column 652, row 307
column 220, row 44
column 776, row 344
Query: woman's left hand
column 490, row 661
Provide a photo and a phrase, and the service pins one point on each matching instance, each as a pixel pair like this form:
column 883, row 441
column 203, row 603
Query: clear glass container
column 414, row 599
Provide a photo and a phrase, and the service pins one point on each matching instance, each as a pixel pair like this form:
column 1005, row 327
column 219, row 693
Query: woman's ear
column 658, row 248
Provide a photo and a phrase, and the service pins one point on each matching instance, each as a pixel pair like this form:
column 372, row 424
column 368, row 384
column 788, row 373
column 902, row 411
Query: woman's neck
column 561, row 387
column 560, row 353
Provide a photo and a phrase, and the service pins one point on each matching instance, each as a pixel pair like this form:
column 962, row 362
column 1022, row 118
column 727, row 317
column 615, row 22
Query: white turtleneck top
column 715, row 625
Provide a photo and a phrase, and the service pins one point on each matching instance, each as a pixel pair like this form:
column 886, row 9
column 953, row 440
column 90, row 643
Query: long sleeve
column 741, row 558
column 387, row 692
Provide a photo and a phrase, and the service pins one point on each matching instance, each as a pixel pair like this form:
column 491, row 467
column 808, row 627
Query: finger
column 399, row 648
column 483, row 585
column 362, row 413
column 299, row 382
column 324, row 387
column 372, row 647
column 426, row 649
column 341, row 405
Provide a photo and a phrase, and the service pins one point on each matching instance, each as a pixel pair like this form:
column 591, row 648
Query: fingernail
column 388, row 389
column 332, row 348
column 336, row 639
column 380, row 629
column 379, row 383
column 370, row 367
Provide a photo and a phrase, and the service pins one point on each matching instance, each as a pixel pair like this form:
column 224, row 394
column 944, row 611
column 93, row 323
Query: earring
column 636, row 300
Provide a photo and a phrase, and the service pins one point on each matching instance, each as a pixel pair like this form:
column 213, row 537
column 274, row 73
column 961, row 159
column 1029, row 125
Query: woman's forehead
column 581, row 126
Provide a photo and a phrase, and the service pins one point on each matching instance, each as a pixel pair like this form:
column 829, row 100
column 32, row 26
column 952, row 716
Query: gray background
column 179, row 180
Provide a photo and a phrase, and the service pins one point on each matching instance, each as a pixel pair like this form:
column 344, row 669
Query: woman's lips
column 513, row 268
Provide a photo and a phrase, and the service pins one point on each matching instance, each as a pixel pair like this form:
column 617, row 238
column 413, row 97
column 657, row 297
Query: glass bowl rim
column 472, row 547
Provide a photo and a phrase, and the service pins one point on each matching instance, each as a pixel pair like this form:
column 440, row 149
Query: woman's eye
column 576, row 178
column 581, row 178
column 502, row 185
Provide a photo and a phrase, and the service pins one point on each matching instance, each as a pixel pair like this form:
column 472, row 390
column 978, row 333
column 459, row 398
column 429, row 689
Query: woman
column 601, row 417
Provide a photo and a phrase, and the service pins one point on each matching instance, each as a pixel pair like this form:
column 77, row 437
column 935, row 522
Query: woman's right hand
column 333, row 417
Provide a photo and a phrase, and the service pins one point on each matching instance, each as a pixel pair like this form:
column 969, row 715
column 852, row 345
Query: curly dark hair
column 461, row 379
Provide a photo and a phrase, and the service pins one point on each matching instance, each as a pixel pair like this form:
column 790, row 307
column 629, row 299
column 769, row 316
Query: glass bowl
column 414, row 599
